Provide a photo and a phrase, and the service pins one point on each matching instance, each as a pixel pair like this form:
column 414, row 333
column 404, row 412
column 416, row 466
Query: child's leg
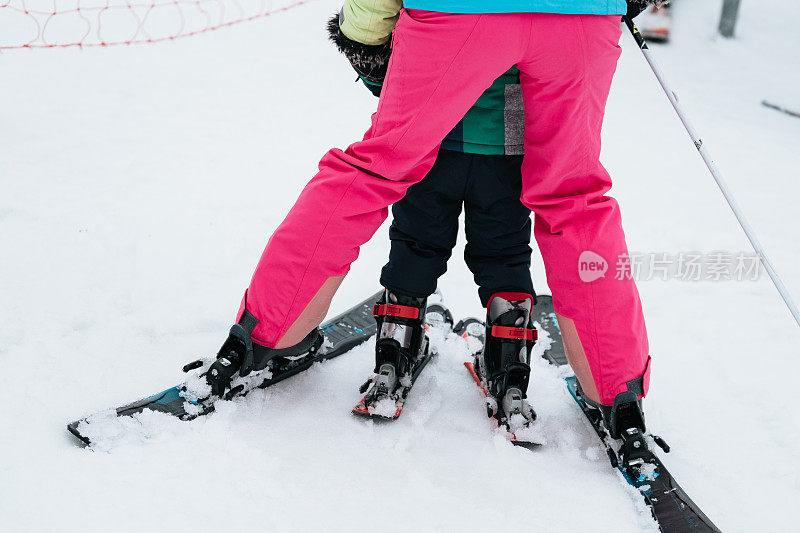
column 425, row 227
column 498, row 227
column 441, row 64
column 565, row 84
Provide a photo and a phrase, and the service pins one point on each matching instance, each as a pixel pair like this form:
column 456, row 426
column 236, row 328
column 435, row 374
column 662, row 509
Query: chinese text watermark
column 681, row 266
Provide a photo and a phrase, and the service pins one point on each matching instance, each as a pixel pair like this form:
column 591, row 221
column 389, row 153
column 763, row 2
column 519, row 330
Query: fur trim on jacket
column 369, row 61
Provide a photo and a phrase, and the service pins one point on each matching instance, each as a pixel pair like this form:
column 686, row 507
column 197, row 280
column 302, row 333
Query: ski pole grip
column 640, row 42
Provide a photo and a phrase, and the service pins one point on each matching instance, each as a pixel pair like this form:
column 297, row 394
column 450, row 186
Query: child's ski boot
column 401, row 351
column 503, row 366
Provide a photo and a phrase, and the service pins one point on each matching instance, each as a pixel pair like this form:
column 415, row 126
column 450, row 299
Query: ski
column 390, row 405
column 515, row 438
column 672, row 508
column 474, row 331
column 781, row 109
column 339, row 335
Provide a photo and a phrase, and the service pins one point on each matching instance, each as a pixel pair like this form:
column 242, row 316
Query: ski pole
column 781, row 109
column 712, row 167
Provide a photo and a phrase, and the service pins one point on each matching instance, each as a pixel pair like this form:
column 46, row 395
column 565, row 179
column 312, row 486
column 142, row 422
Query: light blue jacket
column 572, row 7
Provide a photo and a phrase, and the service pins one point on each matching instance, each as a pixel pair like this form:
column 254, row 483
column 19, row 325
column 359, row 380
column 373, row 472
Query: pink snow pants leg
column 440, row 65
column 565, row 84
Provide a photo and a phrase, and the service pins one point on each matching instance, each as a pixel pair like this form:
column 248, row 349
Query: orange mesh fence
column 90, row 23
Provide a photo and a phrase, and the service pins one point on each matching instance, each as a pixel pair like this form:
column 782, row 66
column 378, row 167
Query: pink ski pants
column 440, row 65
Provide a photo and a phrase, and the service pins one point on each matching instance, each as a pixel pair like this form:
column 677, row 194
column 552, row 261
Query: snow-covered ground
column 138, row 186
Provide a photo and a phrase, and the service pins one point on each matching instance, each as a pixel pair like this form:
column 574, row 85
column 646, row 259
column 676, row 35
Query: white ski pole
column 712, row 167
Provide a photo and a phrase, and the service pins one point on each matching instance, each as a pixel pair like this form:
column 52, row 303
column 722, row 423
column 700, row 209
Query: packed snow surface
column 138, row 186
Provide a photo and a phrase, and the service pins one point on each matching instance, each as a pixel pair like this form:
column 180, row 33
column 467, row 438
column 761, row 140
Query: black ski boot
column 400, row 348
column 624, row 420
column 625, row 414
column 504, row 363
column 242, row 361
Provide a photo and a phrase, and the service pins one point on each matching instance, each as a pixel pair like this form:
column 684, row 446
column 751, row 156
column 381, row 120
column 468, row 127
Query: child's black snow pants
column 497, row 225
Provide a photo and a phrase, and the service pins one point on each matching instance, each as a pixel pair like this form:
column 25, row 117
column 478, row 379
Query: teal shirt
column 571, row 7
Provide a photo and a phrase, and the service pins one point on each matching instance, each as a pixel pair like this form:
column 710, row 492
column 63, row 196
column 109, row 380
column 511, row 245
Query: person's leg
column 425, row 227
column 565, row 79
column 497, row 227
column 440, row 65
column 498, row 252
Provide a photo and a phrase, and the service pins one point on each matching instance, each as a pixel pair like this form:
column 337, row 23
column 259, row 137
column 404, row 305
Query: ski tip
column 528, row 445
column 364, row 413
column 527, row 439
column 361, row 407
column 72, row 427
column 362, row 410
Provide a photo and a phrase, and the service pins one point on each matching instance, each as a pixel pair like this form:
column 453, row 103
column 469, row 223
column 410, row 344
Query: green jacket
column 493, row 126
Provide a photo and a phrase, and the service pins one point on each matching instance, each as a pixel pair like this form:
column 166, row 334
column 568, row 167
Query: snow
column 196, row 386
column 139, row 185
column 386, row 408
column 648, row 471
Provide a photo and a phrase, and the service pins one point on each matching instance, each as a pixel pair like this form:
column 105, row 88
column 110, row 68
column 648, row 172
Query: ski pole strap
column 400, row 311
column 504, row 332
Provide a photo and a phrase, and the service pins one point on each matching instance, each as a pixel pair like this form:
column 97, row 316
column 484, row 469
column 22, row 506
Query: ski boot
column 624, row 421
column 242, row 365
column 401, row 350
column 504, row 363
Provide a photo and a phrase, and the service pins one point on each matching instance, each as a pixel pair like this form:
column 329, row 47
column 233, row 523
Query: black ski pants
column 497, row 226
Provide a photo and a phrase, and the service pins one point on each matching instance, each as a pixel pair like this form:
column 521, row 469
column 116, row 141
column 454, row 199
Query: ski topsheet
column 340, row 334
column 671, row 506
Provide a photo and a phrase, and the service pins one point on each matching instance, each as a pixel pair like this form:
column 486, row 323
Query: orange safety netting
column 90, row 23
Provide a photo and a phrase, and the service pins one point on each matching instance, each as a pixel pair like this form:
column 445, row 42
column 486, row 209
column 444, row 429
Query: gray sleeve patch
column 514, row 118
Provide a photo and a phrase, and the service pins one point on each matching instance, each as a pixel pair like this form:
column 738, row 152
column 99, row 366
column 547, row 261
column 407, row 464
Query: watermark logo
column 591, row 266
column 718, row 265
